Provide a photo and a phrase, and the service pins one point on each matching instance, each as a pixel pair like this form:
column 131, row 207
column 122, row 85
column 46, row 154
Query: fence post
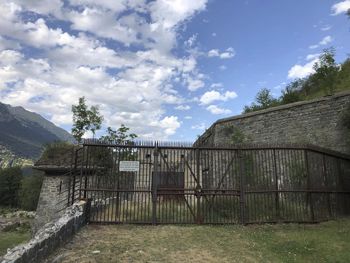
column 242, row 186
column 74, row 172
column 309, row 194
column 327, row 185
column 154, row 185
column 198, row 187
column 277, row 204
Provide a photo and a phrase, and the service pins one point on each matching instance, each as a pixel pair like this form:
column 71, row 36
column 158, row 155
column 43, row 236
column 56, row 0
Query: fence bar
column 242, row 186
column 155, row 185
column 309, row 194
column 181, row 184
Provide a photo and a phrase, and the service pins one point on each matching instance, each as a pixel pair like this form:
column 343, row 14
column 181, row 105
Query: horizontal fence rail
column 176, row 183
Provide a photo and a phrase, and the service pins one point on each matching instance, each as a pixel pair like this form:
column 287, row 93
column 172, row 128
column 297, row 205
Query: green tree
column 263, row 100
column 326, row 71
column 30, row 191
column 85, row 119
column 119, row 136
column 10, row 183
column 95, row 119
column 292, row 92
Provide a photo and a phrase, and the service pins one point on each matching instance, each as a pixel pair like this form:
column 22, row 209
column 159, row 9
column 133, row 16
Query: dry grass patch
column 327, row 242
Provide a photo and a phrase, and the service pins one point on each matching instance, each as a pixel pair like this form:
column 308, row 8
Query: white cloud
column 188, row 117
column 131, row 86
column 228, row 53
column 302, row 71
column 325, row 41
column 213, row 95
column 222, row 67
column 326, row 28
column 341, row 7
column 183, row 107
column 312, row 56
column 191, row 41
column 216, row 85
column 213, row 34
column 194, row 84
column 217, row 110
column 200, row 126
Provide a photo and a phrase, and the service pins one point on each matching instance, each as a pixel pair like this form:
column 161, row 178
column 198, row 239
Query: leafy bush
column 54, row 149
column 10, row 183
column 30, row 191
column 18, row 191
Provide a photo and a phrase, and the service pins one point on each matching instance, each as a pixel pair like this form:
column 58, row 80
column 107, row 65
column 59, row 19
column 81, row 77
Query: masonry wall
column 50, row 236
column 317, row 122
column 51, row 200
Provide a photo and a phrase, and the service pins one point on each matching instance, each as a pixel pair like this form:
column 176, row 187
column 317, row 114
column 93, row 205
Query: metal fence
column 152, row 183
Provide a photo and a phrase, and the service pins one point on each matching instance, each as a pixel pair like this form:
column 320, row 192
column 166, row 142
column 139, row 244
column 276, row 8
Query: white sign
column 129, row 166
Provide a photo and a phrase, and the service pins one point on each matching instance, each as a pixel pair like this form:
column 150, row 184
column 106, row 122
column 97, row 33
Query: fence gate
column 154, row 184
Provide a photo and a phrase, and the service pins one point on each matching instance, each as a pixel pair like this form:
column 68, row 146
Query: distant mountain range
column 24, row 133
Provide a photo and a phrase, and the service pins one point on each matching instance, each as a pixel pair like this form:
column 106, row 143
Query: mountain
column 24, row 133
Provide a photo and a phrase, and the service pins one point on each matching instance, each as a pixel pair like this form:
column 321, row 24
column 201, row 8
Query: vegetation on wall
column 329, row 77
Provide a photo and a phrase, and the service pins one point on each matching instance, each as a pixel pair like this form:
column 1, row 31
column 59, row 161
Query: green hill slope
column 23, row 133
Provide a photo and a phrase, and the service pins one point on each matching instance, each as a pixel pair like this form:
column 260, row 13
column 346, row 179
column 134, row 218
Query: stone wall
column 52, row 199
column 50, row 236
column 315, row 122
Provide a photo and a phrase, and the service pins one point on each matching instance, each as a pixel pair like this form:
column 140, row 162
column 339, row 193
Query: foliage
column 10, row 183
column 85, row 119
column 292, row 92
column 263, row 100
column 51, row 150
column 327, row 79
column 119, row 136
column 326, row 71
column 18, row 190
column 30, row 191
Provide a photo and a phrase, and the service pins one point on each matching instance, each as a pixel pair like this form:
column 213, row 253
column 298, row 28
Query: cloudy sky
column 166, row 68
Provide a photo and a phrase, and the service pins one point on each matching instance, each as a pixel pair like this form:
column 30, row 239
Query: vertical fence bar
column 198, row 187
column 154, row 185
column 327, row 186
column 277, row 205
column 309, row 195
column 74, row 172
column 242, row 186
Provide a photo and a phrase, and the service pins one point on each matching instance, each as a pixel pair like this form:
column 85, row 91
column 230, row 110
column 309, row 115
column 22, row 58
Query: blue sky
column 167, row 69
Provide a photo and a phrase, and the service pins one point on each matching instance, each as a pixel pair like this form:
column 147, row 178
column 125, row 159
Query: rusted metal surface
column 179, row 184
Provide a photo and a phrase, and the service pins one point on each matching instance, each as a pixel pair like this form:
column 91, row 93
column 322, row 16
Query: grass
column 13, row 237
column 326, row 242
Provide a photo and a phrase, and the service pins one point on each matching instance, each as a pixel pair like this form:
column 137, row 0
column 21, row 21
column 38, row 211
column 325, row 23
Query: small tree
column 119, row 136
column 326, row 71
column 263, row 100
column 10, row 184
column 292, row 92
column 85, row 119
column 95, row 120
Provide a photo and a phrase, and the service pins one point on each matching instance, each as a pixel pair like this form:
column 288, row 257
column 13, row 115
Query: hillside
column 329, row 78
column 23, row 133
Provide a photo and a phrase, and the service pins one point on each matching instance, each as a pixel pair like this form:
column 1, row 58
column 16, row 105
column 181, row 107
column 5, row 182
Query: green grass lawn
column 326, row 242
column 9, row 239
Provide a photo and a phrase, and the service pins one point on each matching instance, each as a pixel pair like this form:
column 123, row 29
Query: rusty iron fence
column 164, row 183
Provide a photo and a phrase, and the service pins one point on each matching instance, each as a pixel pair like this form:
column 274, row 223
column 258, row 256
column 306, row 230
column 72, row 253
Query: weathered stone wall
column 50, row 236
column 52, row 199
column 317, row 122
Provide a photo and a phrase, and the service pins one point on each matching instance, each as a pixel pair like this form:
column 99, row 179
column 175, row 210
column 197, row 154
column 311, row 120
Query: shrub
column 10, row 183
